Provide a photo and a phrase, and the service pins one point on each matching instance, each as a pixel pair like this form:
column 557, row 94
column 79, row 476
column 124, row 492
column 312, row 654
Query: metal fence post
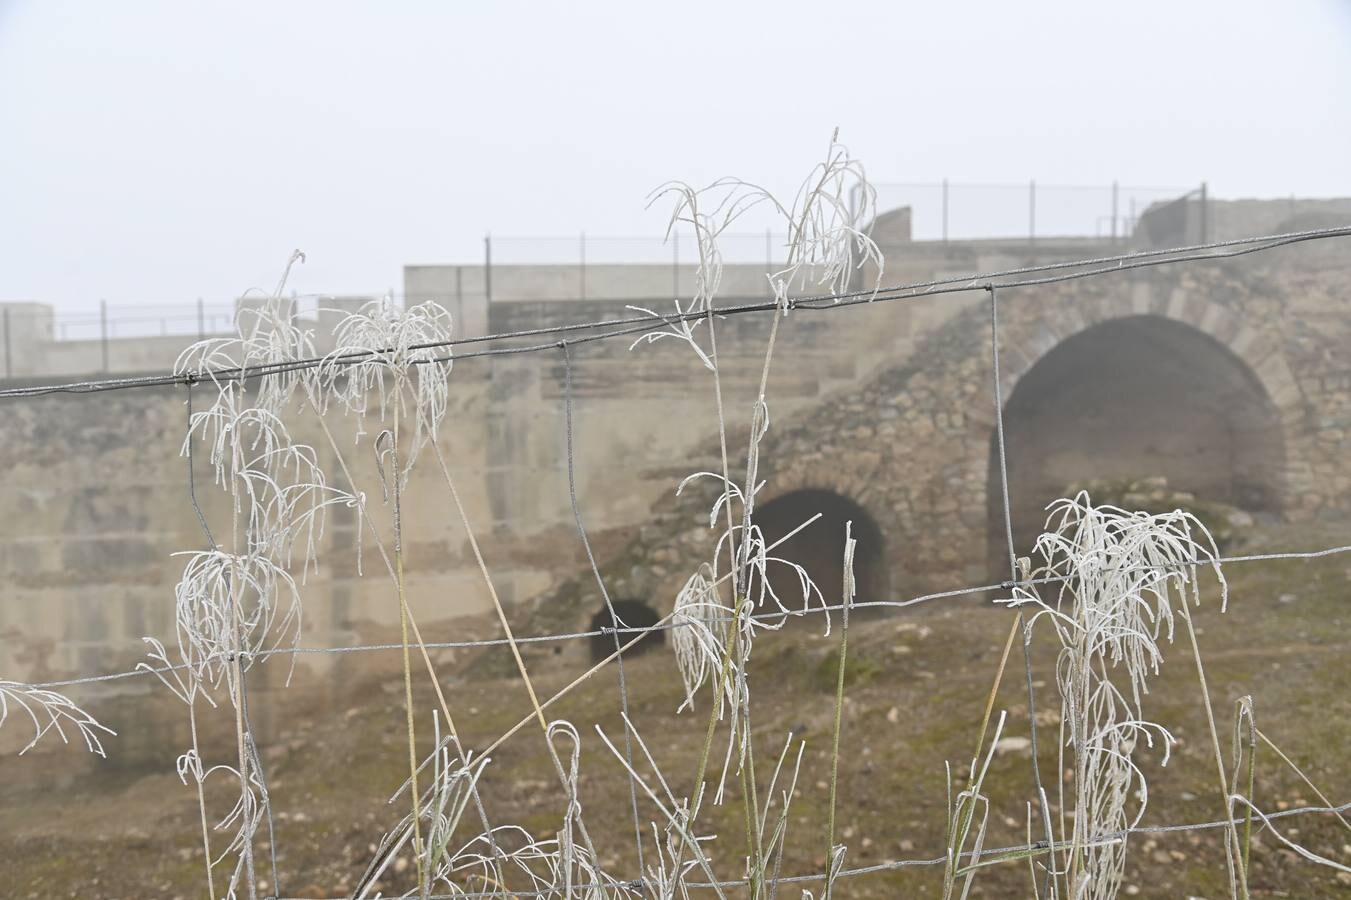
column 1032, row 211
column 1205, row 223
column 488, row 266
column 769, row 263
column 103, row 331
column 1115, row 198
column 675, row 265
column 945, row 210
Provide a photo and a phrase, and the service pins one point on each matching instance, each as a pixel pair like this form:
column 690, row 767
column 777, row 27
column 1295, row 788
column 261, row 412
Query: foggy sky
column 155, row 152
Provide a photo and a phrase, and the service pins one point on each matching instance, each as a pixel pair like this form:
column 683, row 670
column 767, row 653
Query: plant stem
column 1237, row 882
column 1247, row 818
column 201, row 793
column 237, row 696
column 397, row 477
column 835, row 743
column 412, row 621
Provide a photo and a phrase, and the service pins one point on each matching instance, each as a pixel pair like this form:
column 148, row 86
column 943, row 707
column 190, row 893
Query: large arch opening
column 819, row 548
column 1132, row 398
column 631, row 614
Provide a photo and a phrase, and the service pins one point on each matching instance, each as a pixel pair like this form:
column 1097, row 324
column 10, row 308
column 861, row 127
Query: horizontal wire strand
column 893, row 864
column 1104, row 265
column 665, row 626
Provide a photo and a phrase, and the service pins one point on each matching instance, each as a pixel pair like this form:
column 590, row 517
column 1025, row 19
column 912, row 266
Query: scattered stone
column 1012, row 745
column 906, row 844
column 894, row 715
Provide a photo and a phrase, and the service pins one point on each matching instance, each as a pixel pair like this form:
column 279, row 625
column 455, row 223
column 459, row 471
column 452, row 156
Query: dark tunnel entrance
column 819, row 548
column 631, row 614
column 1133, row 398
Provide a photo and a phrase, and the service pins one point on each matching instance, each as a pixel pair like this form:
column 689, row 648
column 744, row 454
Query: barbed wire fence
column 562, row 339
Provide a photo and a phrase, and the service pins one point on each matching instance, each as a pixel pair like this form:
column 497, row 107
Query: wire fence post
column 1115, row 200
column 103, row 331
column 945, row 210
column 675, row 265
column 769, row 263
column 1032, row 211
column 1205, row 223
column 488, row 266
column 201, row 320
column 9, row 348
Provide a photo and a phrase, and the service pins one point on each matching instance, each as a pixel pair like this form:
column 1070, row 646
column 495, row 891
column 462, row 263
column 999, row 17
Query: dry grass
column 916, row 691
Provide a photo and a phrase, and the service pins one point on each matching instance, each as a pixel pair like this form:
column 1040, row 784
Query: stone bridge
column 1230, row 379
column 1227, row 379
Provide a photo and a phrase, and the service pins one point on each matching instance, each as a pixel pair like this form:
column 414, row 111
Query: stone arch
column 1026, row 338
column 631, row 614
column 819, row 548
column 1136, row 387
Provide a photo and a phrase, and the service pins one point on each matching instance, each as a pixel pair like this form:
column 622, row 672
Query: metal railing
column 584, row 266
column 937, row 211
column 946, row 210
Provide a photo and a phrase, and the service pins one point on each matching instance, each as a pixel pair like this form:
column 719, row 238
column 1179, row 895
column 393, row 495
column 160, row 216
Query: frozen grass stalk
column 1119, row 578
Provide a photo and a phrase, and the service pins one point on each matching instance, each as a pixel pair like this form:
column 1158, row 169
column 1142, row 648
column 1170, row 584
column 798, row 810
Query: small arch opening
column 631, row 614
column 819, row 548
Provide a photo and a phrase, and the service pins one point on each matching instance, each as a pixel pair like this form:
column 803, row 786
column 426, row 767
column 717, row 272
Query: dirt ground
column 335, row 749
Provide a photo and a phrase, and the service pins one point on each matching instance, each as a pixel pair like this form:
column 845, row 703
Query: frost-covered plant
column 454, row 783
column 699, row 632
column 506, row 859
column 396, row 359
column 680, row 851
column 266, row 347
column 238, row 599
column 228, row 605
column 50, row 711
column 716, row 625
column 968, row 818
column 1119, row 577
